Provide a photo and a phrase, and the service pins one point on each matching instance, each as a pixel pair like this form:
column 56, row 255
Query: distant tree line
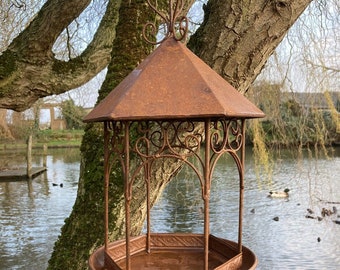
column 291, row 122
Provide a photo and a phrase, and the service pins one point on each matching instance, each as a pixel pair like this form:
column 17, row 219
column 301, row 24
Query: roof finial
column 176, row 24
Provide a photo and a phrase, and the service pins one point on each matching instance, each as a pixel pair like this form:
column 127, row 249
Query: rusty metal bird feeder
column 179, row 108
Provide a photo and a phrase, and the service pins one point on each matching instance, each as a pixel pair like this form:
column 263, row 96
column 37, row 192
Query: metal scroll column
column 148, row 201
column 127, row 192
column 106, row 182
column 206, row 196
column 241, row 188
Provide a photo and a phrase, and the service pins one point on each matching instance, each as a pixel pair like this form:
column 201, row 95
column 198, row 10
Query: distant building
column 57, row 122
column 48, row 116
column 270, row 96
column 318, row 101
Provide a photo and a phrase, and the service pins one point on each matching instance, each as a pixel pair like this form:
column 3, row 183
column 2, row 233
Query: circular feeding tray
column 173, row 251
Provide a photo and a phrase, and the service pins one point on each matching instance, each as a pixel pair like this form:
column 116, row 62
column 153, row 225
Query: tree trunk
column 226, row 42
column 84, row 230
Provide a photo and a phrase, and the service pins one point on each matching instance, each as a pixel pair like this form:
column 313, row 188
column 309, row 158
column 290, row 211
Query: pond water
column 32, row 213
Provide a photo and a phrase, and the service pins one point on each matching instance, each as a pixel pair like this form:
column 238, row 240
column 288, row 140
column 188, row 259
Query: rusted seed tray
column 173, row 251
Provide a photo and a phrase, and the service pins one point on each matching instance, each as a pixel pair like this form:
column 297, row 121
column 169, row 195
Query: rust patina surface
column 173, row 83
column 174, row 252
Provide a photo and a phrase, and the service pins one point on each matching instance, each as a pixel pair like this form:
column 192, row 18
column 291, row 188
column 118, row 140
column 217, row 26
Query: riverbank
column 72, row 139
column 52, row 139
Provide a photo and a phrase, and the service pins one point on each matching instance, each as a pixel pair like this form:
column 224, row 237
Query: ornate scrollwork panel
column 226, row 135
column 176, row 24
column 178, row 140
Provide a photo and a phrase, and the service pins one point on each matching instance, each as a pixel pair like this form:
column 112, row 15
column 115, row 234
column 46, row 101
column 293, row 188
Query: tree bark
column 237, row 37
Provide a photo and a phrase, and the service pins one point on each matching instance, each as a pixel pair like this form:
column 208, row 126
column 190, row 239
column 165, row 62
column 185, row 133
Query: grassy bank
column 51, row 138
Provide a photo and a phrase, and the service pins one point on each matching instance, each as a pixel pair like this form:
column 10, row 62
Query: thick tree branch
column 237, row 37
column 28, row 69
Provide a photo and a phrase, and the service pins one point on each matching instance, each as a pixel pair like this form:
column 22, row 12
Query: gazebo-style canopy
column 173, row 83
column 177, row 106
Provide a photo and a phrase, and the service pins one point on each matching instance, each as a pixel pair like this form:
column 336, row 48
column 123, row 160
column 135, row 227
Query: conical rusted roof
column 173, row 83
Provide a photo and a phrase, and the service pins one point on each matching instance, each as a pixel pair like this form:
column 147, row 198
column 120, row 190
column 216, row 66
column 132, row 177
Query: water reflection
column 32, row 212
column 289, row 243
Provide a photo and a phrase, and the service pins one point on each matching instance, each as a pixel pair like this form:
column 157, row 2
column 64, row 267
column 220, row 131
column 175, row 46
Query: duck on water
column 279, row 194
